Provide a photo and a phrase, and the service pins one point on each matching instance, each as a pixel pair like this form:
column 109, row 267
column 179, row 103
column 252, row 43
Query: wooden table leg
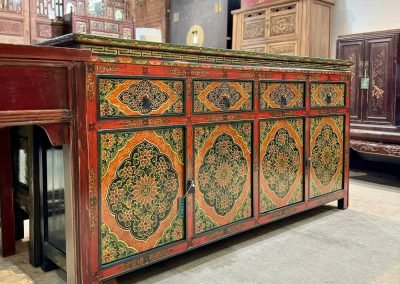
column 6, row 195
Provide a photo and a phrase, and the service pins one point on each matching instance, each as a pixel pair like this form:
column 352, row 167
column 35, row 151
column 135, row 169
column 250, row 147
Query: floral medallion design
column 327, row 94
column 282, row 95
column 142, row 177
column 281, row 162
column 217, row 96
column 326, row 154
column 136, row 97
column 223, row 174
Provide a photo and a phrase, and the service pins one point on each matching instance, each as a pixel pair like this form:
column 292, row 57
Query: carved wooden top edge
column 75, row 39
column 369, row 34
column 275, row 3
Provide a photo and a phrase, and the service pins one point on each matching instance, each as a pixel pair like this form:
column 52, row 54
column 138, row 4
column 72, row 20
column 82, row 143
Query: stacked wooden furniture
column 182, row 146
column 30, row 21
column 110, row 18
column 295, row 27
column 375, row 108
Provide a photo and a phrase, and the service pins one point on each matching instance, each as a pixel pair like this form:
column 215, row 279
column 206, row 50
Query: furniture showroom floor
column 324, row 245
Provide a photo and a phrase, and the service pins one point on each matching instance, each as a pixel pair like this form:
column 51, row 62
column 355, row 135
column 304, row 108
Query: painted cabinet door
column 281, row 163
column 223, row 174
column 326, row 154
column 354, row 51
column 379, row 100
column 142, row 176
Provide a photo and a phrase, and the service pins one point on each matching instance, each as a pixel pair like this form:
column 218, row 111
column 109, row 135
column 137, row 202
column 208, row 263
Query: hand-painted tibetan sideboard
column 181, row 146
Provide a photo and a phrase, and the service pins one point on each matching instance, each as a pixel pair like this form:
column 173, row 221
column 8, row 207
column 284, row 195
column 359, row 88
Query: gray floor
column 325, row 245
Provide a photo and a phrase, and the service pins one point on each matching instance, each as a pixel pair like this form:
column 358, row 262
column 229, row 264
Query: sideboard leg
column 343, row 203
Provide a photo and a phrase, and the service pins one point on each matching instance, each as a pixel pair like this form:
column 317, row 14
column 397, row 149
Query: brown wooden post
column 6, row 195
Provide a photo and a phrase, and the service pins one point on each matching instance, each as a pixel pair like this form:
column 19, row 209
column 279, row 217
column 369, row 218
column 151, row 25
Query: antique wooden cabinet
column 29, row 21
column 181, row 146
column 295, row 27
column 202, row 23
column 112, row 18
column 375, row 107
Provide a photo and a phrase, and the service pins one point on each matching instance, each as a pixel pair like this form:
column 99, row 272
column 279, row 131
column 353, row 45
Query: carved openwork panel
column 222, row 174
column 281, row 95
column 326, row 154
column 327, row 94
column 254, row 29
column 124, row 97
column 220, row 96
column 141, row 179
column 283, row 25
column 281, row 163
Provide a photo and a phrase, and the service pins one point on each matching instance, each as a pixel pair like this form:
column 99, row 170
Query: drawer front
column 326, row 154
column 288, row 48
column 327, row 94
column 254, row 26
column 281, row 163
column 283, row 21
column 223, row 166
column 281, row 95
column 142, row 176
column 222, row 96
column 144, row 96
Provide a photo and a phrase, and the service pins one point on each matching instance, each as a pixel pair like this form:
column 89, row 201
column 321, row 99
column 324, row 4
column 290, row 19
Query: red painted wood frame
column 93, row 271
column 40, row 86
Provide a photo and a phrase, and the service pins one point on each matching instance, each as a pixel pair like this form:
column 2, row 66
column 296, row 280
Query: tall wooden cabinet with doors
column 294, row 27
column 375, row 107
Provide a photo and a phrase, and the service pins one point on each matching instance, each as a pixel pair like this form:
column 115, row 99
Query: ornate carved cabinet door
column 326, row 154
column 354, row 51
column 378, row 102
column 281, row 163
column 223, row 167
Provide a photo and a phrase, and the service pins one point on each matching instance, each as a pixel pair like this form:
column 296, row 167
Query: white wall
column 357, row 16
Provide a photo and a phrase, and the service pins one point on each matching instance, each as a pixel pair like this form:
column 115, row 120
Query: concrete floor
column 324, row 245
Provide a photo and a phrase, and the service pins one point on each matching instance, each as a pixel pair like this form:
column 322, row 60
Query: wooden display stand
column 294, row 27
column 182, row 146
column 375, row 108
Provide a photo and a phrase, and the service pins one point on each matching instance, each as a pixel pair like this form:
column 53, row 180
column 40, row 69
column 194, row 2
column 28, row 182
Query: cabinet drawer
column 281, row 95
column 282, row 21
column 222, row 96
column 254, row 25
column 287, row 47
column 144, row 96
column 327, row 94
